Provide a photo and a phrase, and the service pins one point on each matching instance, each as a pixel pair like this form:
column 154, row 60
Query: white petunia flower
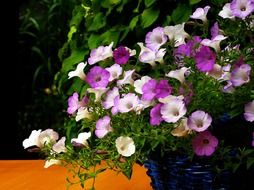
column 47, row 136
column 178, row 74
column 226, row 12
column 127, row 79
column 83, row 113
column 33, row 139
column 128, row 103
column 99, row 91
column 51, row 162
column 60, row 146
column 82, row 139
column 109, row 98
column 174, row 110
column 214, row 43
column 115, row 71
column 79, row 72
column 200, row 13
column 125, row 146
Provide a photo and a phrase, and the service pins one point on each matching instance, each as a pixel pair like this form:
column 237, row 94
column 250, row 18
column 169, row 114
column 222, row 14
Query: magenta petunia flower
column 97, row 77
column 204, row 143
column 199, row 121
column 242, row 8
column 205, row 59
column 155, row 115
column 249, row 111
column 103, row 127
column 121, row 55
column 149, row 90
column 162, row 89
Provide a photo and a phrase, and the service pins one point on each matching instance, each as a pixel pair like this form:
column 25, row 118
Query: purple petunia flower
column 205, row 59
column 149, row 90
column 103, row 127
column 98, row 77
column 155, row 39
column 162, row 89
column 74, row 104
column 155, row 115
column 240, row 75
column 121, row 55
column 249, row 111
column 204, row 144
column 242, row 8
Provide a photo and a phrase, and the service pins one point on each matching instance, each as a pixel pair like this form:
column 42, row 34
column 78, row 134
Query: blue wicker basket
column 179, row 173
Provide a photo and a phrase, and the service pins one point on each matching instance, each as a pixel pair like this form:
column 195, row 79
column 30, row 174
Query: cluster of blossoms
column 116, row 89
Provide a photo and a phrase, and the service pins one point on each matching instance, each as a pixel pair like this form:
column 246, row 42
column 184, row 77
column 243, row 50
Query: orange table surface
column 31, row 175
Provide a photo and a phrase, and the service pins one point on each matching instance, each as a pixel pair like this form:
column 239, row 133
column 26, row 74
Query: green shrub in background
column 43, row 29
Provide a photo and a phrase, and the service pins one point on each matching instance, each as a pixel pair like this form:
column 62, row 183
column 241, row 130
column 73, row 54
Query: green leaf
column 250, row 162
column 99, row 21
column 93, row 41
column 75, row 57
column 79, row 14
column 133, row 22
column 148, row 17
column 181, row 13
column 71, row 32
column 110, row 36
column 192, row 2
column 148, row 3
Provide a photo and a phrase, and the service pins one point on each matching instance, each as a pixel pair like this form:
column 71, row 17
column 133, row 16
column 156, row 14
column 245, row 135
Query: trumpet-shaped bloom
column 156, row 38
column 204, row 144
column 98, row 92
column 109, row 98
column 83, row 113
column 214, row 42
column 101, row 53
column 176, row 33
column 249, row 111
column 181, row 129
column 81, row 141
column 200, row 13
column 205, row 59
column 79, row 72
column 138, row 84
column 51, row 162
column 240, row 75
column 74, row 104
column 125, row 146
column 163, row 89
column 226, row 12
column 128, row 103
column 98, row 77
column 103, row 127
column 172, row 111
column 115, row 71
column 155, row 115
column 121, row 55
column 199, row 121
column 242, row 8
column 178, row 74
column 149, row 90
column 33, row 139
column 60, row 146
column 127, row 78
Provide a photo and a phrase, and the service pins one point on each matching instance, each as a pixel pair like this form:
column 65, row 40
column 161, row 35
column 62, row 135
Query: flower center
column 205, row 141
column 199, row 123
column 158, row 39
column 129, row 105
column 243, row 8
column 98, row 78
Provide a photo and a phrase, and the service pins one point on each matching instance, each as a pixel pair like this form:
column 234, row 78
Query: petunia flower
column 155, row 115
column 226, row 12
column 205, row 59
column 214, row 42
column 108, row 101
column 249, row 111
column 240, row 75
column 121, row 55
column 162, row 89
column 47, row 136
column 74, row 104
column 83, row 113
column 103, row 127
column 81, row 141
column 125, row 146
column 172, row 111
column 178, row 74
column 242, row 8
column 176, row 33
column 204, row 144
column 181, row 129
column 97, row 77
column 60, row 146
column 155, row 39
column 127, row 78
column 79, row 72
column 115, row 71
column 199, row 121
column 138, row 84
column 101, row 53
column 200, row 13
column 51, row 162
column 128, row 103
column 33, row 139
column 149, row 90
column 98, row 92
